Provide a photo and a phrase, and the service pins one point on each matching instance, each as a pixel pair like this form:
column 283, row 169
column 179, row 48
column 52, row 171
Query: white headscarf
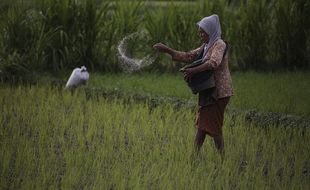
column 211, row 25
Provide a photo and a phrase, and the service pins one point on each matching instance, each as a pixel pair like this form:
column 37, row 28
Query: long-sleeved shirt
column 213, row 60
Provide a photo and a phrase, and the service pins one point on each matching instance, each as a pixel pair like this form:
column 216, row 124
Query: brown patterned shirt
column 215, row 61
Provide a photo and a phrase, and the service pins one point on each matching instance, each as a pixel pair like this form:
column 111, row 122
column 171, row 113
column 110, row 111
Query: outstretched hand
column 160, row 47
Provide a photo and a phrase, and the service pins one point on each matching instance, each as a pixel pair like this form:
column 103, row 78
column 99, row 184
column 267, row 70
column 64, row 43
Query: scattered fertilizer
column 129, row 64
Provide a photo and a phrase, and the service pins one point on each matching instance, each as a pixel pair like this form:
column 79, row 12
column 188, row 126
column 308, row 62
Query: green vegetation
column 54, row 35
column 52, row 139
column 275, row 92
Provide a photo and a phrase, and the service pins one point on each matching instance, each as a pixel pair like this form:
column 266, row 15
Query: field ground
column 55, row 139
column 275, row 92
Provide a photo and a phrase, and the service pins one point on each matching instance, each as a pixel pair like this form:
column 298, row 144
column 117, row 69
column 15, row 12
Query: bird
column 78, row 77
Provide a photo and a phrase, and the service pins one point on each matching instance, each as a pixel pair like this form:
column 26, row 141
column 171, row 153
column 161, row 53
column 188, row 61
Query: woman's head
column 209, row 28
column 211, row 25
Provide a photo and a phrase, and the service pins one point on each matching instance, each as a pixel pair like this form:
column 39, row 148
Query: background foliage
column 56, row 35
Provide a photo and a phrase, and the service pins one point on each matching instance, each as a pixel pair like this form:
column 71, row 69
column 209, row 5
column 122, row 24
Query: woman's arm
column 210, row 64
column 185, row 57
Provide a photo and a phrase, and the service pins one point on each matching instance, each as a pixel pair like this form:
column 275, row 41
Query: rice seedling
column 51, row 138
column 274, row 92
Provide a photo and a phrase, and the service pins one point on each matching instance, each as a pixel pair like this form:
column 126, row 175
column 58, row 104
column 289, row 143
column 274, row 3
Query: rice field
column 286, row 92
column 55, row 139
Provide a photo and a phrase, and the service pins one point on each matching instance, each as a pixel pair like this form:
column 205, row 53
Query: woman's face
column 204, row 36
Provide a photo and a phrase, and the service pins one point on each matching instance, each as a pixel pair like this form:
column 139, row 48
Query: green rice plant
column 251, row 90
column 51, row 138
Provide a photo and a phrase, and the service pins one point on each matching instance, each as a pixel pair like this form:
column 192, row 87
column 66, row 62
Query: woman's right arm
column 186, row 57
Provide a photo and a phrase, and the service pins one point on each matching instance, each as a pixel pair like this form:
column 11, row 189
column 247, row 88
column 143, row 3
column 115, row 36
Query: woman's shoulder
column 219, row 45
column 220, row 42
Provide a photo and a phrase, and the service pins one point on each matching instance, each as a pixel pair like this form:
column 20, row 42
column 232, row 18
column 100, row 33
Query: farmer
column 210, row 114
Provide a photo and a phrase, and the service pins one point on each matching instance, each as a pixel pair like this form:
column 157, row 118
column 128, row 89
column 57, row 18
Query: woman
column 211, row 113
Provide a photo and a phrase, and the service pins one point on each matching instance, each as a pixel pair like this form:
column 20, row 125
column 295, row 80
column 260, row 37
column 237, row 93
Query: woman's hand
column 188, row 73
column 161, row 47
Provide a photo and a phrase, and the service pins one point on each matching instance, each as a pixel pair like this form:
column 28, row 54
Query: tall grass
column 175, row 27
column 292, row 52
column 253, row 38
column 120, row 19
column 57, row 35
column 53, row 139
column 18, row 47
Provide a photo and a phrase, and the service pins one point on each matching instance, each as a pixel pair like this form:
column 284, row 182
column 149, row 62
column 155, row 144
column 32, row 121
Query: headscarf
column 211, row 25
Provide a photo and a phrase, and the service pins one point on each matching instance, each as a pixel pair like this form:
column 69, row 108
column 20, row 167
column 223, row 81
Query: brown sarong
column 210, row 118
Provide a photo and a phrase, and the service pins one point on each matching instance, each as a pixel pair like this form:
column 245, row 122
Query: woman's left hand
column 188, row 73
